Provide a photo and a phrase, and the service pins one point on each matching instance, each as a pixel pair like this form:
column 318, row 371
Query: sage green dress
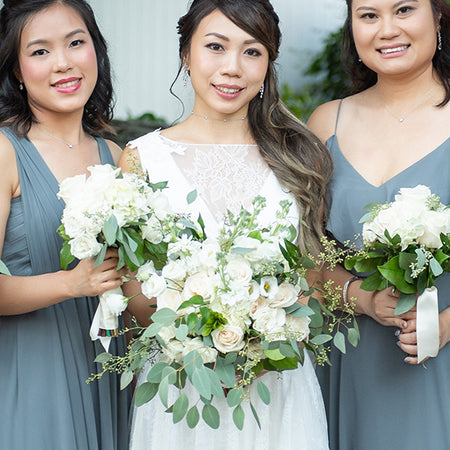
column 374, row 400
column 47, row 355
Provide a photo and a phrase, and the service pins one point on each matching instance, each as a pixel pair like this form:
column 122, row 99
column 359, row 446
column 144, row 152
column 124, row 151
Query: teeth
column 392, row 50
column 227, row 90
column 70, row 83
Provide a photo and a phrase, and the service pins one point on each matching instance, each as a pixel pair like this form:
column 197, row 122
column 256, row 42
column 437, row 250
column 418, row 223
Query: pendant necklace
column 402, row 118
column 60, row 139
column 218, row 120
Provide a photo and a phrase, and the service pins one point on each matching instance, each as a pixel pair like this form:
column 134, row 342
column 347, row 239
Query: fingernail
column 398, row 343
column 397, row 333
column 404, row 324
column 407, row 360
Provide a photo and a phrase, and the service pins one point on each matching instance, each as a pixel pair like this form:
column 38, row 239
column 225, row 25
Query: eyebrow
column 45, row 41
column 221, row 36
column 396, row 5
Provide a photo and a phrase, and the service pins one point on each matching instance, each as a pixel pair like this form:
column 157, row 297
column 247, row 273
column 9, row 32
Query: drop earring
column 439, row 47
column 20, row 86
column 261, row 91
column 185, row 76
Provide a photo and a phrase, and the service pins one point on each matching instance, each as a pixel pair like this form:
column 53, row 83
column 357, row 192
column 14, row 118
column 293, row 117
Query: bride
column 239, row 141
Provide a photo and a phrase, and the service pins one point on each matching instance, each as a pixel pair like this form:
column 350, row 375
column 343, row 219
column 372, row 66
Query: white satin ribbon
column 107, row 315
column 427, row 324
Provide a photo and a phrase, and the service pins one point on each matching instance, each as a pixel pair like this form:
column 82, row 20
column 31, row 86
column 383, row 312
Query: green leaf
column 126, row 378
column 263, row 392
column 191, row 197
column 65, row 258
column 405, row 303
column 155, row 373
column 339, row 341
column 234, row 396
column 255, row 415
column 321, row 339
column 211, row 416
column 103, row 357
column 152, row 330
column 368, row 265
column 202, row 383
column 182, row 332
column 101, row 256
column 225, row 371
column 286, row 350
column 170, row 373
column 303, row 311
column 238, row 417
column 353, row 336
column 436, row 267
column 406, row 259
column 274, row 355
column 145, row 392
column 192, row 417
column 180, row 408
column 192, row 361
column 285, row 364
column 392, row 272
column 216, row 386
column 164, row 317
column 192, row 321
column 110, row 230
column 317, row 318
column 374, row 282
column 163, row 391
column 421, row 258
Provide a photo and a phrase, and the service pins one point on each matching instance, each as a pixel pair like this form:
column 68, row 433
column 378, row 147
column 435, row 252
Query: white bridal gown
column 228, row 176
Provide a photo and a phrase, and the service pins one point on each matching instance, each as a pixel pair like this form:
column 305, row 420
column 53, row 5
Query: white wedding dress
column 226, row 177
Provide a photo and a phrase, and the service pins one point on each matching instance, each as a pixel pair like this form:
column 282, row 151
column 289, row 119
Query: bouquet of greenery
column 227, row 308
column 407, row 246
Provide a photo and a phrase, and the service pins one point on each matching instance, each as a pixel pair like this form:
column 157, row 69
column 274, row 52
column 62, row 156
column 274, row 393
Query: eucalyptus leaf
column 435, row 267
column 321, row 339
column 152, row 330
column 101, row 256
column 180, row 408
column 155, row 373
column 192, row 361
column 126, row 378
column 110, row 230
column 103, row 357
column 170, row 373
column 339, row 341
column 191, row 197
column 211, row 416
column 353, row 336
column 182, row 332
column 303, row 311
column 255, row 415
column 405, row 303
column 216, row 386
column 225, row 372
column 234, row 396
column 286, row 350
column 192, row 417
column 202, row 383
column 238, row 417
column 163, row 391
column 145, row 392
column 263, row 392
column 164, row 316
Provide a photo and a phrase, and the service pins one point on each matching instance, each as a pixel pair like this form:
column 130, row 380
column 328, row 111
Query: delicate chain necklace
column 219, row 120
column 402, row 118
column 60, row 139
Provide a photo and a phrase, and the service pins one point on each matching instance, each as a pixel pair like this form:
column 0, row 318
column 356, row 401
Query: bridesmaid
column 392, row 132
column 55, row 97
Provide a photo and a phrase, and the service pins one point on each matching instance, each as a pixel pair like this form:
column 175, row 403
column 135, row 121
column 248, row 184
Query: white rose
column 85, row 246
column 436, row 222
column 201, row 283
column 160, row 204
column 270, row 321
column 208, row 253
column 174, row 270
column 260, row 304
column 286, row 295
column 228, row 339
column 152, row 231
column 115, row 301
column 208, row 354
column 167, row 333
column 70, row 187
column 103, row 174
column 154, row 286
column 415, row 197
column 239, row 271
column 169, row 298
column 172, row 352
column 145, row 271
column 299, row 326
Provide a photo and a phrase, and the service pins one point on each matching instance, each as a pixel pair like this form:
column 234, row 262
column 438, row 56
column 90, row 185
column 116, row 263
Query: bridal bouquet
column 112, row 209
column 227, row 308
column 407, row 246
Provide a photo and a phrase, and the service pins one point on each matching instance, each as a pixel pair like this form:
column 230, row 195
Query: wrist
column 363, row 299
column 444, row 326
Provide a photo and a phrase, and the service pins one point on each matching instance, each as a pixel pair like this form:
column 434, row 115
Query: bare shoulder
column 115, row 150
column 323, row 120
column 130, row 161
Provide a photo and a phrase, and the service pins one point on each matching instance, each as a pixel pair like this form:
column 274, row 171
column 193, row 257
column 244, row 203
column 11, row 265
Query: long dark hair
column 14, row 108
column 299, row 160
column 363, row 77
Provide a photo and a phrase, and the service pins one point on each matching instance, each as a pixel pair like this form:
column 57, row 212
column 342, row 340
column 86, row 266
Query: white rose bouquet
column 112, row 209
column 407, row 246
column 227, row 308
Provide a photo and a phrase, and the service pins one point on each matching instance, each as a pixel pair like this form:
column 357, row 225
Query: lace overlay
column 225, row 176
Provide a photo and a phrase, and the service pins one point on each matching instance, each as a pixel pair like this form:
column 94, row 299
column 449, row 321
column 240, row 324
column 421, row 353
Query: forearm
column 20, row 295
column 444, row 327
column 139, row 305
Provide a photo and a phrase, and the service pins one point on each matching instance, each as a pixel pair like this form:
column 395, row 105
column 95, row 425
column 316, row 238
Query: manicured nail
column 397, row 333
column 398, row 343
column 407, row 360
column 404, row 324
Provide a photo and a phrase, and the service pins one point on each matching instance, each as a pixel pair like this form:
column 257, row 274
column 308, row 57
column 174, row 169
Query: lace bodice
column 225, row 176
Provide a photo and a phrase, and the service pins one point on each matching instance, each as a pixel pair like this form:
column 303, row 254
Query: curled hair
column 14, row 108
column 298, row 159
column 362, row 77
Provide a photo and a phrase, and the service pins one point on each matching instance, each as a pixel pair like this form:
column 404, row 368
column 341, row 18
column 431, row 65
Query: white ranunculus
column 85, row 247
column 228, row 339
column 299, row 326
column 286, row 295
column 239, row 271
column 154, row 286
column 208, row 354
column 145, row 271
column 436, row 222
column 115, row 301
column 268, row 287
column 270, row 321
column 200, row 283
column 169, row 298
column 152, row 231
column 174, row 270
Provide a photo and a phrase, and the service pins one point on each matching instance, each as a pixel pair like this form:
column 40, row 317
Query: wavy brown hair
column 301, row 163
column 14, row 108
column 362, row 77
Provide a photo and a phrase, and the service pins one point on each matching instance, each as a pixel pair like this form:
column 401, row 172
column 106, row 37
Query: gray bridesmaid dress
column 374, row 400
column 47, row 355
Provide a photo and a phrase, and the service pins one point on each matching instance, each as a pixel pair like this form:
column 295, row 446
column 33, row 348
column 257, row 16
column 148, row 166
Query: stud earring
column 439, row 47
column 261, row 91
column 20, row 86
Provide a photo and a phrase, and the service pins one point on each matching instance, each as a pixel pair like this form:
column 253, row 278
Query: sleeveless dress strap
column 337, row 116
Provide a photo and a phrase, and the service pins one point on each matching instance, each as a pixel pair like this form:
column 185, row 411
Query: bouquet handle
column 427, row 324
column 105, row 323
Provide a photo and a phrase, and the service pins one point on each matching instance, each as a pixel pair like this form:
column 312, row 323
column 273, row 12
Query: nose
column 62, row 61
column 389, row 28
column 232, row 64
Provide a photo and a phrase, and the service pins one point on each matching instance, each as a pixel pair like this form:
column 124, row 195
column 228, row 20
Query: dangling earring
column 261, row 91
column 359, row 59
column 439, row 47
column 185, row 76
column 20, row 86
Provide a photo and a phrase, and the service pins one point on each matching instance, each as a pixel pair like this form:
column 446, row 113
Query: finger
column 408, row 338
column 412, row 360
column 407, row 348
column 411, row 326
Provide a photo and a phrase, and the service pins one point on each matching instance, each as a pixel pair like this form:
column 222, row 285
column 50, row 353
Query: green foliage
column 3, row 269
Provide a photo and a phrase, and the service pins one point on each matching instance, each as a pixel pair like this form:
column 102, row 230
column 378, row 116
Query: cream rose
column 239, row 271
column 154, row 286
column 169, row 298
column 286, row 295
column 228, row 339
